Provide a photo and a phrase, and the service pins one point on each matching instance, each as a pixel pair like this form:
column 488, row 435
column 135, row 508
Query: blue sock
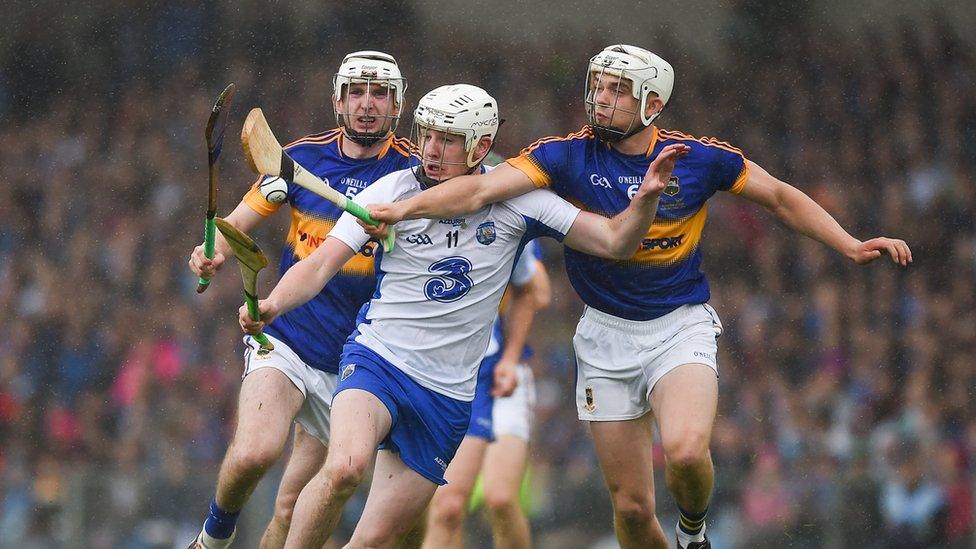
column 691, row 523
column 220, row 524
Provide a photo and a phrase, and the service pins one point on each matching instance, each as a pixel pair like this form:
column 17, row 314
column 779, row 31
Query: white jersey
column 521, row 275
column 438, row 291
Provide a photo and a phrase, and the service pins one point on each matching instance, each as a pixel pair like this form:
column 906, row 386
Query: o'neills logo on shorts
column 589, row 406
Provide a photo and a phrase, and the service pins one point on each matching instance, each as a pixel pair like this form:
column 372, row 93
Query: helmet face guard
column 419, row 134
column 606, row 132
column 646, row 74
column 369, row 70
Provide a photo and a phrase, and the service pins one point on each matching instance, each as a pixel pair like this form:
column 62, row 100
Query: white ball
column 274, row 189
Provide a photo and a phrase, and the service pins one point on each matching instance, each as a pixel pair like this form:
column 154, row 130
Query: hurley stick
column 265, row 156
column 251, row 260
column 215, row 140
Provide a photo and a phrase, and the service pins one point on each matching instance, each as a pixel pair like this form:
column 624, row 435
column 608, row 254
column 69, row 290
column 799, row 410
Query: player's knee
column 284, row 508
column 633, row 511
column 254, row 459
column 687, row 452
column 501, row 502
column 345, row 473
column 447, row 510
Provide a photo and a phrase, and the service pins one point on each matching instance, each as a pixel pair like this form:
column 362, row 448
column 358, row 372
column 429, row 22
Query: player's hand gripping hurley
column 251, row 259
column 265, row 156
column 215, row 140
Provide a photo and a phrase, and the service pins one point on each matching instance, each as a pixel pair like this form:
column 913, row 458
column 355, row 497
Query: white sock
column 210, row 542
column 684, row 539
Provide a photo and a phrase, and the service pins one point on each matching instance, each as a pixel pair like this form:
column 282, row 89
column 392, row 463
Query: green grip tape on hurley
column 209, row 234
column 361, row 212
column 254, row 313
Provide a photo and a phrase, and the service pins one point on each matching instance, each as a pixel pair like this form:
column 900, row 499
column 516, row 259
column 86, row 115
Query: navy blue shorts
column 427, row 426
column 483, row 405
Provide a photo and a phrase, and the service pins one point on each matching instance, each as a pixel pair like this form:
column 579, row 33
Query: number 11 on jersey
column 452, row 239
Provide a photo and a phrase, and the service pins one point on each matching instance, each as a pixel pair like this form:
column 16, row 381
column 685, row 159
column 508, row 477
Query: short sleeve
column 545, row 214
column 346, row 229
column 258, row 203
column 543, row 160
column 728, row 169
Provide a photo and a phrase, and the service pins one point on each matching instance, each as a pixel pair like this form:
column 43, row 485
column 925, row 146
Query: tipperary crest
column 485, row 233
column 672, row 187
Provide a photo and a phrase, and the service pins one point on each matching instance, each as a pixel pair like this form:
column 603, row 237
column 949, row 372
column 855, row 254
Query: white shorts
column 512, row 415
column 619, row 361
column 317, row 386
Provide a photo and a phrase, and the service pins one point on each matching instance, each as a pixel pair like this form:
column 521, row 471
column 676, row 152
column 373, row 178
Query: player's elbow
column 620, row 251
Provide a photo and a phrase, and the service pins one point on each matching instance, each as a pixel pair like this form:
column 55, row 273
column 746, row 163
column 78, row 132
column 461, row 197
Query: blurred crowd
column 846, row 407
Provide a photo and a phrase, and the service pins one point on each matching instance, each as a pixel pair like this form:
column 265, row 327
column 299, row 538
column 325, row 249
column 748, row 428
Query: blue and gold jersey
column 317, row 330
column 664, row 273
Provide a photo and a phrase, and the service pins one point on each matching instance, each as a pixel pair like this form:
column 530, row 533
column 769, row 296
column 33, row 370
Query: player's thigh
column 504, row 468
column 272, row 394
column 397, row 498
column 266, row 408
column 307, row 456
column 684, row 402
column 360, row 420
column 624, row 450
column 683, row 377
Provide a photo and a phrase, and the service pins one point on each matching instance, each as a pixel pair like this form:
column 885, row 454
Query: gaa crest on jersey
column 347, row 371
column 672, row 187
column 485, row 233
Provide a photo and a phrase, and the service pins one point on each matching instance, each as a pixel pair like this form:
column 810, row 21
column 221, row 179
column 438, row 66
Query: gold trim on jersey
column 308, row 232
column 527, row 164
column 740, row 181
column 257, row 202
column 317, row 138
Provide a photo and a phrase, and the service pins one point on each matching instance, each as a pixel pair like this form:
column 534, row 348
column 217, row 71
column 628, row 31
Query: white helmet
column 460, row 109
column 369, row 67
column 647, row 73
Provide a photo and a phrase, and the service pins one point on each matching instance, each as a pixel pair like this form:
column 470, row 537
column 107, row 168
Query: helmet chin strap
column 427, row 182
column 613, row 135
column 362, row 138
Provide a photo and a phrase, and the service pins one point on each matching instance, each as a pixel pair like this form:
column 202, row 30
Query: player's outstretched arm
column 301, row 283
column 801, row 213
column 459, row 196
column 618, row 238
column 243, row 218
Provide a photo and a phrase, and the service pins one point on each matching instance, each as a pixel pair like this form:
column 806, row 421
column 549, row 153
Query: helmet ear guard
column 369, row 68
column 647, row 73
